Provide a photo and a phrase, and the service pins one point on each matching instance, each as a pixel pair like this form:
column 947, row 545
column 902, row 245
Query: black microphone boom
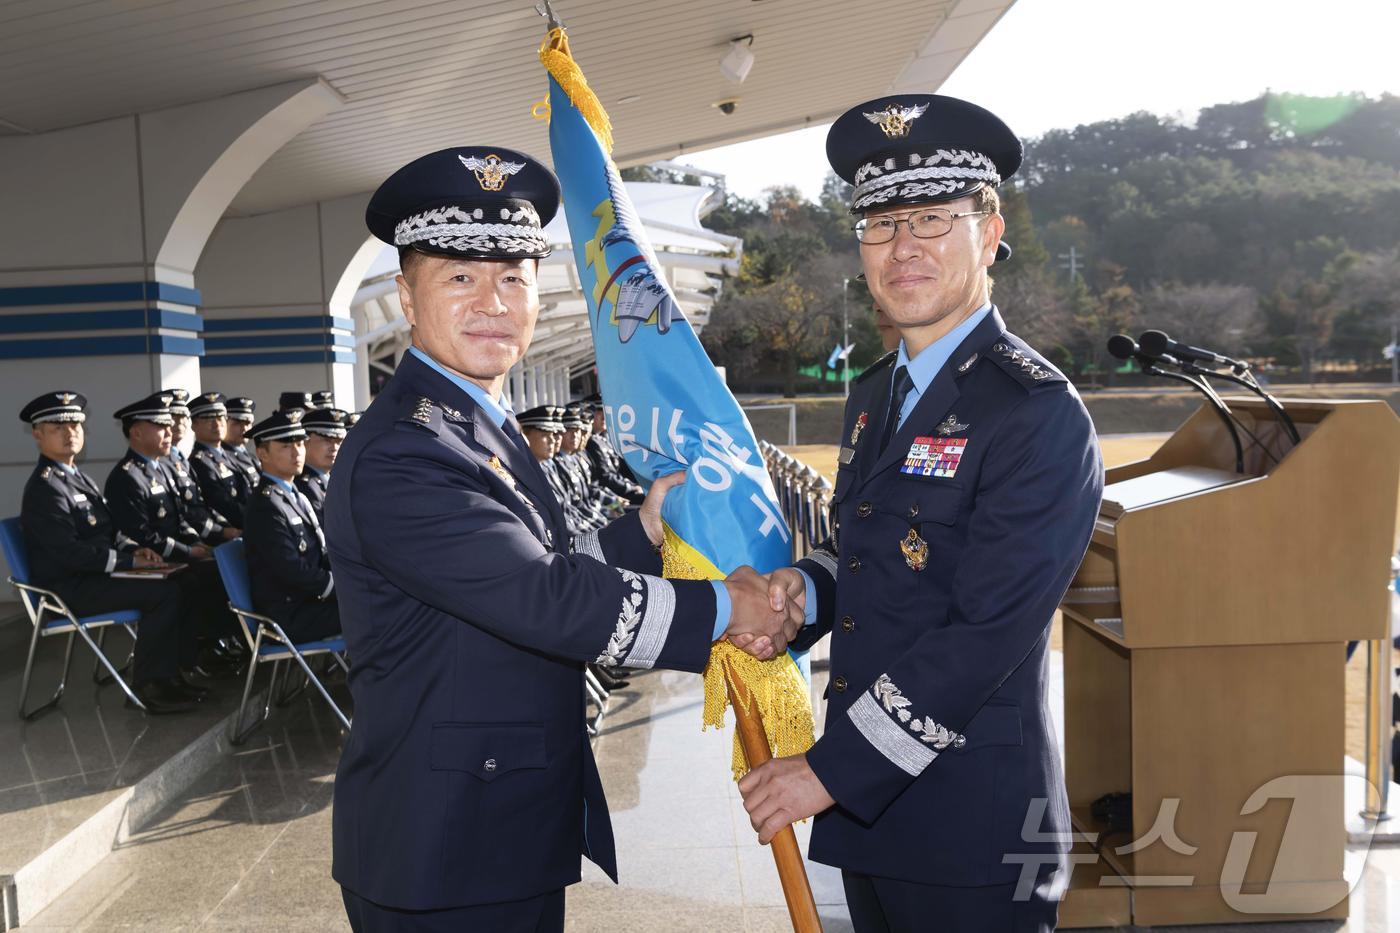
column 1156, row 343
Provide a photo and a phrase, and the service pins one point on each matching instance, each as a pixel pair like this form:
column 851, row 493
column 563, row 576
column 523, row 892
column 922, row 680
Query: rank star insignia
column 491, row 172
column 951, row 425
column 860, row 426
column 895, row 121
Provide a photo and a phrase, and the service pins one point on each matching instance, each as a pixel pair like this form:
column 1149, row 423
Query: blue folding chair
column 50, row 615
column 267, row 642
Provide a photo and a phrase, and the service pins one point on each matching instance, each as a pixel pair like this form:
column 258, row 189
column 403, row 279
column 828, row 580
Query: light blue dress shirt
column 922, row 369
column 498, row 409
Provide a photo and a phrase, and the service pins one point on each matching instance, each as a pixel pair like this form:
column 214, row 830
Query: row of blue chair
column 267, row 642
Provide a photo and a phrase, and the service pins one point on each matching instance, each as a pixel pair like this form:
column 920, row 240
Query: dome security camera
column 727, row 106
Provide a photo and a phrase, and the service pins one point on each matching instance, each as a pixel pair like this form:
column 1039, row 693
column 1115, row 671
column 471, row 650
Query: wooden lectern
column 1204, row 652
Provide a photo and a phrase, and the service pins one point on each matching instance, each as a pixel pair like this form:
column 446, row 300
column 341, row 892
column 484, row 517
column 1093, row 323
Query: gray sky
column 1059, row 63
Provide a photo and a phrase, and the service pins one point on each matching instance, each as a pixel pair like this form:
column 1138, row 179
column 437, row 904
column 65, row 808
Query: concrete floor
column 247, row 846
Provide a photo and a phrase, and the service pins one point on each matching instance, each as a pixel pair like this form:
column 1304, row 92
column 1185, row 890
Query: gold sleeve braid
column 777, row 686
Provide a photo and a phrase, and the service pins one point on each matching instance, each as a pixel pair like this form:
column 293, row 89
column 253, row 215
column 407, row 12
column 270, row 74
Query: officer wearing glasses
column 967, row 486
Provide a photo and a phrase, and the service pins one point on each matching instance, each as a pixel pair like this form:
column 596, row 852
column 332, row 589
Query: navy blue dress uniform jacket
column 937, row 739
column 206, row 522
column 287, row 561
column 221, row 481
column 467, row 777
column 68, row 529
column 312, row 484
column 144, row 508
column 249, row 473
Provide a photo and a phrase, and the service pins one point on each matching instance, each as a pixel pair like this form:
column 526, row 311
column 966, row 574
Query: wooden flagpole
column 802, row 908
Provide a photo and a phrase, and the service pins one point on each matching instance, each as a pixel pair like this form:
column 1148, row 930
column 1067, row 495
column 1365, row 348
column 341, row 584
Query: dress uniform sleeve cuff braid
column 589, row 546
column 169, row 546
column 208, row 527
column 823, row 559
column 111, row 561
column 888, row 737
column 658, row 610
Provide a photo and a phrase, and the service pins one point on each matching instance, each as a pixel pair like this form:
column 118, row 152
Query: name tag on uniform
column 79, row 497
column 295, row 520
column 224, row 472
column 934, row 456
column 847, row 453
column 157, row 489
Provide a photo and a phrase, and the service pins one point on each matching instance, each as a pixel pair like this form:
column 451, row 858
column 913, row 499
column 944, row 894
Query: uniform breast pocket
column 487, row 750
column 994, row 725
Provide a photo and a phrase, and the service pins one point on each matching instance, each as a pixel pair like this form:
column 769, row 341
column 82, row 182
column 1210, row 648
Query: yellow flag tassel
column 559, row 62
column 776, row 686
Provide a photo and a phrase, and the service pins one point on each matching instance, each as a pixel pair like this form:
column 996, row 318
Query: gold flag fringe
column 777, row 686
column 559, row 62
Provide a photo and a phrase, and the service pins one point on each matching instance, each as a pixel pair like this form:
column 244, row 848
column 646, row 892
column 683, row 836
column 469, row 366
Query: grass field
column 1119, row 450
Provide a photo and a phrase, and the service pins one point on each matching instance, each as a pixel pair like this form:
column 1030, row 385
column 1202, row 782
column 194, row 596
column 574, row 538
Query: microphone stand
column 1149, row 366
column 1253, row 385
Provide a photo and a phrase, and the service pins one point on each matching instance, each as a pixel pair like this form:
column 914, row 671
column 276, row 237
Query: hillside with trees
column 1268, row 229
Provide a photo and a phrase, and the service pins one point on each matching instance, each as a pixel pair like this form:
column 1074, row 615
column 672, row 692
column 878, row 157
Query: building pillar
column 103, row 226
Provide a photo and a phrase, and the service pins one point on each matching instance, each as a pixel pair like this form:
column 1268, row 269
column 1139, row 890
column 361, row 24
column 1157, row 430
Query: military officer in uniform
column 608, row 468
column 219, row 478
column 287, row 563
column 145, row 509
column 325, row 430
column 467, row 791
column 967, row 486
column 323, row 399
column 543, row 428
column 73, row 545
column 240, row 419
column 212, row 526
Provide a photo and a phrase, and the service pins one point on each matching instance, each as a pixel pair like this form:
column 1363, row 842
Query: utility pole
column 1072, row 262
column 846, row 342
column 1394, row 356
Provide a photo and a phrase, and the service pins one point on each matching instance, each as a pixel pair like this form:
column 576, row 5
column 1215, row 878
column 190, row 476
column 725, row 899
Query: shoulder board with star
column 881, row 365
column 422, row 412
column 46, row 472
column 1023, row 364
column 266, row 489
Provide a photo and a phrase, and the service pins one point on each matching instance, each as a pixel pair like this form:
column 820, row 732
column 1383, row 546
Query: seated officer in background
column 294, row 401
column 240, row 419
column 73, row 546
column 323, row 399
column 144, row 508
column 354, row 418
column 543, row 428
column 325, row 430
column 212, row 526
column 218, row 476
column 608, row 467
column 572, row 466
column 287, row 561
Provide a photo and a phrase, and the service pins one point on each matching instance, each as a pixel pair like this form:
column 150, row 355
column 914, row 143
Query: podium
column 1204, row 655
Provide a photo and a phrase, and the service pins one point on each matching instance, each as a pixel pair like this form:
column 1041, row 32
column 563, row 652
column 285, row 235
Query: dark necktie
column 511, row 428
column 903, row 384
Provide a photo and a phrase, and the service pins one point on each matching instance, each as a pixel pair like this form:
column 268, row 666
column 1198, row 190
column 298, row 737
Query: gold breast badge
column 915, row 550
column 501, row 471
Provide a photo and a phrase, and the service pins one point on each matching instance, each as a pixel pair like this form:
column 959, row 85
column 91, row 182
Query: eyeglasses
column 925, row 224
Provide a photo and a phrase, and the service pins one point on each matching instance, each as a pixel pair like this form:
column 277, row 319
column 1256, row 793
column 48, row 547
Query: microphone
column 1124, row 347
column 1156, row 343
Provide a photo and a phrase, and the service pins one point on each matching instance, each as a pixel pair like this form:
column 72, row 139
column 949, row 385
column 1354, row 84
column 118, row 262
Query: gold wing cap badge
column 491, row 171
column 895, row 121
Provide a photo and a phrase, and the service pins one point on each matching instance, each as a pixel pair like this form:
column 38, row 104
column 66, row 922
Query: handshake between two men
column 767, row 610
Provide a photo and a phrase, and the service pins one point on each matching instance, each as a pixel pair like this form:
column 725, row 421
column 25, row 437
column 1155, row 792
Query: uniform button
column 863, row 510
column 848, row 624
column 490, row 765
column 914, row 510
column 839, row 683
column 853, row 564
